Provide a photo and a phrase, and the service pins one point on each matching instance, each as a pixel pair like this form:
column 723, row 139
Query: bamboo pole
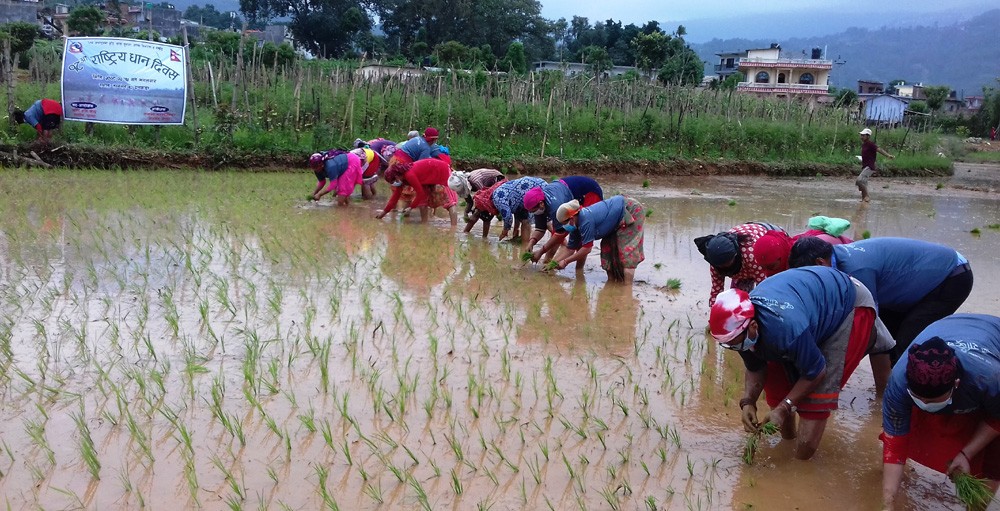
column 190, row 84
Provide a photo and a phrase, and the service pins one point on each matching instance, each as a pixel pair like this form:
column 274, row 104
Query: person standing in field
column 44, row 115
column 869, row 151
column 801, row 334
column 731, row 254
column 341, row 169
column 617, row 222
column 942, row 406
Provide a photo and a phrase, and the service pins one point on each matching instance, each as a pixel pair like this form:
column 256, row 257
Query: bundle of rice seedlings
column 526, row 256
column 753, row 441
column 552, row 265
column 972, row 491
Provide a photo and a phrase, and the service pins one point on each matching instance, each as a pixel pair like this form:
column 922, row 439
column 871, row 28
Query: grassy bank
column 284, row 114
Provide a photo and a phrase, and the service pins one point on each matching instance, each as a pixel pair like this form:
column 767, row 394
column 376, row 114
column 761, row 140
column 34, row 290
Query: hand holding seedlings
column 974, row 492
column 527, row 256
column 753, row 441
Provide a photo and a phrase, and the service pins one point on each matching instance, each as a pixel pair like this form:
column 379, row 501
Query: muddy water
column 209, row 340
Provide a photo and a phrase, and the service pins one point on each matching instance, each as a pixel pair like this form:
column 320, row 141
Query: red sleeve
column 718, row 281
column 894, row 448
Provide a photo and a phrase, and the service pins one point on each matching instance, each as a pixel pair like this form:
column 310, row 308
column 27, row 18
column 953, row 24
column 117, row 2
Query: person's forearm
column 319, row 186
column 577, row 255
column 803, row 387
column 397, row 191
column 753, row 384
column 981, row 438
column 892, row 477
column 536, row 236
column 470, row 224
column 553, row 241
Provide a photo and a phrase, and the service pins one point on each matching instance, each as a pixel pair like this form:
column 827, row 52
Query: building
column 17, row 11
column 378, row 72
column 912, row 91
column 868, row 87
column 883, row 108
column 973, row 103
column 729, row 64
column 579, row 68
column 768, row 73
column 165, row 20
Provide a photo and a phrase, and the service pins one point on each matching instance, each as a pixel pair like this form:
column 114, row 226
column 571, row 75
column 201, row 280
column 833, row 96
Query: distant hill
column 963, row 55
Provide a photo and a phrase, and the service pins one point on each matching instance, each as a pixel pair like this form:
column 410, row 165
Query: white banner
column 123, row 81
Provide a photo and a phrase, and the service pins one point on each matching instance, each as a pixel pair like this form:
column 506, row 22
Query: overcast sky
column 707, row 14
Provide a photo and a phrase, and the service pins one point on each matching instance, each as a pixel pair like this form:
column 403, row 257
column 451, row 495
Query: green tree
column 86, row 21
column 935, row 96
column 453, row 54
column 324, row 27
column 844, row 97
column 597, row 60
column 515, row 60
column 683, row 66
column 21, row 35
column 732, row 81
column 919, row 107
column 650, row 50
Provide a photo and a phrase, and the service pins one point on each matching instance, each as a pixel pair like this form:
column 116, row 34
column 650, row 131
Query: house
column 14, row 10
column 973, row 103
column 579, row 68
column 882, row 108
column 729, row 64
column 164, row 19
column 913, row 91
column 379, row 71
column 768, row 73
column 868, row 87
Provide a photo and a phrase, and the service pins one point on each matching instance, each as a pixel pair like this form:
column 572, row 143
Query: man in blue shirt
column 617, row 222
column 801, row 334
column 914, row 283
column 942, row 405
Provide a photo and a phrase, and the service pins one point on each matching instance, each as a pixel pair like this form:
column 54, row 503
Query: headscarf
column 931, row 368
column 316, row 161
column 533, row 197
column 483, row 199
column 830, row 225
column 395, row 172
column 720, row 249
column 459, row 183
column 773, row 247
column 731, row 314
column 567, row 211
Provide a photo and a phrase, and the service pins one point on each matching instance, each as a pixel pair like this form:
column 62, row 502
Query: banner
column 123, row 81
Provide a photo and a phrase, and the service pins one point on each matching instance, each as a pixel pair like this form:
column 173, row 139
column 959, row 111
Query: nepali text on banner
column 123, row 81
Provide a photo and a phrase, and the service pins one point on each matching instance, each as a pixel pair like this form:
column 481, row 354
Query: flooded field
column 183, row 340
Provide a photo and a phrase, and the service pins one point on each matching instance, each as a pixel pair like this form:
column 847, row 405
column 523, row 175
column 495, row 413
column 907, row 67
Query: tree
column 650, row 50
column 86, row 21
column 935, row 96
column 515, row 59
column 597, row 59
column 324, row 27
column 731, row 81
column 844, row 97
column 453, row 54
column 683, row 66
column 21, row 35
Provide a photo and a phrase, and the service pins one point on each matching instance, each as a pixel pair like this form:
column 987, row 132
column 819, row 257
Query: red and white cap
column 730, row 315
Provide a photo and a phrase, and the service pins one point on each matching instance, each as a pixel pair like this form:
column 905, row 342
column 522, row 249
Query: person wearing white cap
column 869, row 151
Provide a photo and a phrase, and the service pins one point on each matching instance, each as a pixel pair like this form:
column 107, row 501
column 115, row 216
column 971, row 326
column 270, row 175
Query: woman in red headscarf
column 424, row 176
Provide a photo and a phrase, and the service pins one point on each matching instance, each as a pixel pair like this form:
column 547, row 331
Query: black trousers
column 944, row 300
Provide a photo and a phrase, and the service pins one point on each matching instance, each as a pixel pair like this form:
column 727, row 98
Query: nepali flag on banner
column 174, row 56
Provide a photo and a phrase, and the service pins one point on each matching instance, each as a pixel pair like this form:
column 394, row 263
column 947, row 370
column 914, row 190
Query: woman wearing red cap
column 942, row 405
column 801, row 334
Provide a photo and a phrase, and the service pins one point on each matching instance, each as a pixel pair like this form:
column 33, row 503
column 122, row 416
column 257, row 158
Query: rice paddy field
column 180, row 339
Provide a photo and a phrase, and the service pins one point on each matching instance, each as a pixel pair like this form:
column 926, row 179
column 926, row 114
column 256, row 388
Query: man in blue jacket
column 942, row 405
column 801, row 334
column 914, row 283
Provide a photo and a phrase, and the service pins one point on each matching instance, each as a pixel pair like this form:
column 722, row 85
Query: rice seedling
column 752, row 442
column 972, row 491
